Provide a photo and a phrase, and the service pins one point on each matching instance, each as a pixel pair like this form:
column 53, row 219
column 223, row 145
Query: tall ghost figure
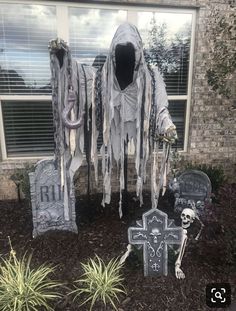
column 126, row 99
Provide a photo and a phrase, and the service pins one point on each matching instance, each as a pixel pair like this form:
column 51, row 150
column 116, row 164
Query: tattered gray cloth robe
column 68, row 74
column 135, row 112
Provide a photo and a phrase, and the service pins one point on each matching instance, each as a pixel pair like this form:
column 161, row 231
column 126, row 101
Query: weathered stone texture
column 8, row 189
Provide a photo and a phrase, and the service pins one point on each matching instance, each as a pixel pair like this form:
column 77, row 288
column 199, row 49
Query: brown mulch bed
column 101, row 232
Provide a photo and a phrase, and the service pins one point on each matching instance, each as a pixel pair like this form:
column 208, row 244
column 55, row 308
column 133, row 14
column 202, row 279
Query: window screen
column 25, row 31
column 166, row 38
column 28, row 128
column 91, row 32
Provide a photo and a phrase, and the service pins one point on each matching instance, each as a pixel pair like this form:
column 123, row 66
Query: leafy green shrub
column 100, row 282
column 226, row 209
column 21, row 178
column 215, row 174
column 23, row 288
column 227, row 195
column 221, row 62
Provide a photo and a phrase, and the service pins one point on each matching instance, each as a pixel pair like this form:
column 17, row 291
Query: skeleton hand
column 179, row 273
column 171, row 134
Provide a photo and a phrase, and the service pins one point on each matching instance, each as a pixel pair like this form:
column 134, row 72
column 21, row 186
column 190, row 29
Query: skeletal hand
column 179, row 273
column 171, row 134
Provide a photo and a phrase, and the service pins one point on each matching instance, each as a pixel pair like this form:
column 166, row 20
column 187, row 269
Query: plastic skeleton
column 188, row 216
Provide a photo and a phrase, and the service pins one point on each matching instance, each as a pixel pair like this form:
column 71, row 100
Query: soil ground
column 101, row 232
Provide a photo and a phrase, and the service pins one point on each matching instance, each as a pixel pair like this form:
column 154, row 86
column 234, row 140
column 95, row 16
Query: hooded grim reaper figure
column 125, row 99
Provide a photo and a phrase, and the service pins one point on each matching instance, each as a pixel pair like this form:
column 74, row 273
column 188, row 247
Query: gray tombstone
column 47, row 200
column 155, row 232
column 192, row 187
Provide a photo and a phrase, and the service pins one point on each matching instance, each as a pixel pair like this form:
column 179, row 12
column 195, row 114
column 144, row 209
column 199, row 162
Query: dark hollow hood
column 124, row 64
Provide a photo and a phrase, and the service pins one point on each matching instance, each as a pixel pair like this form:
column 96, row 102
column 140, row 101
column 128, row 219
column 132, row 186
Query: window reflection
column 91, row 32
column 25, row 31
column 166, row 38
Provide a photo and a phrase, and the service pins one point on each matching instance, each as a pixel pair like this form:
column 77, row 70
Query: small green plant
column 21, row 178
column 100, row 282
column 23, row 288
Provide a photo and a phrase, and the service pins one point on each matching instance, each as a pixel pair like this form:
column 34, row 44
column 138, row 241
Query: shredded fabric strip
column 125, row 101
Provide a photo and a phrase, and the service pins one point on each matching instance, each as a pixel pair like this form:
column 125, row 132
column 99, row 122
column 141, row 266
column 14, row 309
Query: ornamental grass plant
column 23, row 288
column 100, row 282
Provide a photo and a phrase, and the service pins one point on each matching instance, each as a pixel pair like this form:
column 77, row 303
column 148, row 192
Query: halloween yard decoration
column 187, row 217
column 192, row 191
column 126, row 100
column 155, row 232
column 47, row 200
column 191, row 187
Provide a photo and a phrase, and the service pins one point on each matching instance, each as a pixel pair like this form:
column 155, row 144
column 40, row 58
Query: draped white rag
column 123, row 116
column 126, row 116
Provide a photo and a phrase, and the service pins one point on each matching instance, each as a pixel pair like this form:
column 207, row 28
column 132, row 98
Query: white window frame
column 62, row 22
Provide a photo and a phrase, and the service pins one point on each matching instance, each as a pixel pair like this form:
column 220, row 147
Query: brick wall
column 212, row 130
column 212, row 136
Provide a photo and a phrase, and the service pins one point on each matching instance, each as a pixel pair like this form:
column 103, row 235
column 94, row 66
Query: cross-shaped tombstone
column 155, row 232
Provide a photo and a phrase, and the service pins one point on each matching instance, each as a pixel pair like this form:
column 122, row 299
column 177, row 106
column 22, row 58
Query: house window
column 167, row 41
column 25, row 31
column 28, row 128
column 26, row 111
column 91, row 32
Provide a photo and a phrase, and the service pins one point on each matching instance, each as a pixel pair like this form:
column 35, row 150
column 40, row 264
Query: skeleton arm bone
column 200, row 231
column 178, row 272
column 194, row 208
column 126, row 254
column 171, row 134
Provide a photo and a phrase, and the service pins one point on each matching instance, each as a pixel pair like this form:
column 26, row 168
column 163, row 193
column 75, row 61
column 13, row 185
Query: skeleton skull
column 187, row 217
column 200, row 205
column 43, row 218
column 155, row 233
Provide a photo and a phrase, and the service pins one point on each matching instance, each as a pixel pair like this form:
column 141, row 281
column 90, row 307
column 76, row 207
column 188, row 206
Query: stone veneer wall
column 212, row 129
